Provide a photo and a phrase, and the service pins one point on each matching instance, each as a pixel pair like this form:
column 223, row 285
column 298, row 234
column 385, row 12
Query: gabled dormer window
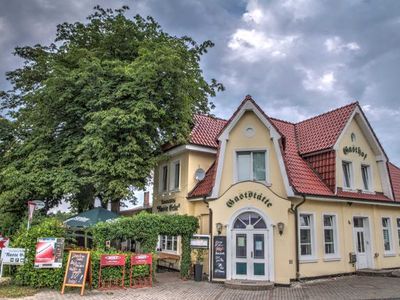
column 175, row 175
column 251, row 165
column 347, row 175
column 164, row 178
column 366, row 177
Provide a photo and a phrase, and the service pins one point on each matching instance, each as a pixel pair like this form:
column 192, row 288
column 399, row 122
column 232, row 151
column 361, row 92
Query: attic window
column 353, row 137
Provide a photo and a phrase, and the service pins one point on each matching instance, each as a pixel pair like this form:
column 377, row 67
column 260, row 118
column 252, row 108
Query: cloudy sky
column 296, row 58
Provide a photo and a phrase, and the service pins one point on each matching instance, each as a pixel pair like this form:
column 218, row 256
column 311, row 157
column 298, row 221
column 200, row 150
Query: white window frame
column 334, row 227
column 312, row 227
column 161, row 238
column 161, row 178
column 389, row 228
column 370, row 181
column 236, row 167
column 172, row 186
column 351, row 174
column 398, row 231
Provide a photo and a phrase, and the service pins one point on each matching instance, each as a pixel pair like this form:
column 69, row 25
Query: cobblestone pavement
column 169, row 287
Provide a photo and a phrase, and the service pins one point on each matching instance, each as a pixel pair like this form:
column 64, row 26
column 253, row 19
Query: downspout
column 210, row 252
column 296, row 218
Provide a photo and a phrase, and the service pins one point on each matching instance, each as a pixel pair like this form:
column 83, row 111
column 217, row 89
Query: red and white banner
column 31, row 209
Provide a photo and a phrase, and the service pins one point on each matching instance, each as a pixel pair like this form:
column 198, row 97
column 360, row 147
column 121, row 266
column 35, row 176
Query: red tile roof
column 307, row 175
column 204, row 187
column 362, row 196
column 321, row 132
column 325, row 165
column 302, row 178
column 394, row 173
column 206, row 130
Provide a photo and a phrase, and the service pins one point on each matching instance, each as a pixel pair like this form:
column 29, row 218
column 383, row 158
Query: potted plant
column 198, row 267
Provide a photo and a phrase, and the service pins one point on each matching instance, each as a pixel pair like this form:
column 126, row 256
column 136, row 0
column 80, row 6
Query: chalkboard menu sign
column 77, row 269
column 219, row 261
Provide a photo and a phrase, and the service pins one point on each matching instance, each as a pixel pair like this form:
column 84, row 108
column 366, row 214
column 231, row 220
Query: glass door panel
column 360, row 242
column 241, row 248
column 258, row 247
column 258, row 255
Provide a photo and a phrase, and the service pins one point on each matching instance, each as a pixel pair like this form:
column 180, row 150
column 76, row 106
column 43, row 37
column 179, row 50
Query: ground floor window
column 330, row 235
column 169, row 243
column 398, row 230
column 306, row 235
column 387, row 235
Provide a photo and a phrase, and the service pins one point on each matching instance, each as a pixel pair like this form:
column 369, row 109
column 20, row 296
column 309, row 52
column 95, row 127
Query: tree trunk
column 115, row 206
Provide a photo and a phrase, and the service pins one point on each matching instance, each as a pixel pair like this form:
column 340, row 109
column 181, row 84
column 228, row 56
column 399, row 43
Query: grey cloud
column 290, row 78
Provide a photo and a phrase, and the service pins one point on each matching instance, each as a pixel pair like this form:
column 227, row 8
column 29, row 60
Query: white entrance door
column 361, row 242
column 249, row 251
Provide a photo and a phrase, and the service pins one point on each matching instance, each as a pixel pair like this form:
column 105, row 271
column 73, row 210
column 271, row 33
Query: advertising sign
column 112, row 260
column 141, row 259
column 78, row 266
column 12, row 256
column 219, row 262
column 49, row 253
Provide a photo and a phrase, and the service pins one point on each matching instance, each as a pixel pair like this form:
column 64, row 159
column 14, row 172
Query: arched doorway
column 251, row 247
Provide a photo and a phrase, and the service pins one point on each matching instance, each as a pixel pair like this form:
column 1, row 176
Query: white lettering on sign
column 13, row 256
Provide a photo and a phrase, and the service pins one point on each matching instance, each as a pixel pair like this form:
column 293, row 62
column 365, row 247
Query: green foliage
column 199, row 254
column 27, row 274
column 91, row 111
column 146, row 228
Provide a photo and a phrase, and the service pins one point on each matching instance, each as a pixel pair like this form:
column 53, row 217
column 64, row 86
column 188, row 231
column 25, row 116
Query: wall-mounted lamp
column 219, row 228
column 281, row 226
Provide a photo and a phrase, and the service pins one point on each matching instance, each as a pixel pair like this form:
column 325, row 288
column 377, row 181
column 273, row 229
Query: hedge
column 146, row 228
column 143, row 227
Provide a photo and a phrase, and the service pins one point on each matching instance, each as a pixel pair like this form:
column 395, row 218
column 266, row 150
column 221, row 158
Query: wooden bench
column 168, row 258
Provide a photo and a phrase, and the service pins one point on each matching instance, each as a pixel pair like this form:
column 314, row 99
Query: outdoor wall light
column 219, row 228
column 281, row 226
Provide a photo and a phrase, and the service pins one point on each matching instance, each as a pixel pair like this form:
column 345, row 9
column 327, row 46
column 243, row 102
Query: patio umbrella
column 89, row 218
column 80, row 224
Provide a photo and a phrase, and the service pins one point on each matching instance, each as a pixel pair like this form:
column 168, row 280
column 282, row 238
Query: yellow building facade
column 283, row 201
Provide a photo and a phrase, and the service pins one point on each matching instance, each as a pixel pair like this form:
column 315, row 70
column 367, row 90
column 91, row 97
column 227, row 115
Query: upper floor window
column 306, row 229
column 175, row 175
column 387, row 235
column 164, row 178
column 366, row 177
column 251, row 165
column 347, row 175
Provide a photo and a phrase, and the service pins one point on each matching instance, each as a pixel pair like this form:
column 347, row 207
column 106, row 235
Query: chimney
column 146, row 199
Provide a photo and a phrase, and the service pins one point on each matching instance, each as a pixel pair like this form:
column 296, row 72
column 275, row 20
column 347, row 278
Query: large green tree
column 91, row 111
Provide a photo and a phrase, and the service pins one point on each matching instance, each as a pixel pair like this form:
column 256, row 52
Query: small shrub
column 27, row 274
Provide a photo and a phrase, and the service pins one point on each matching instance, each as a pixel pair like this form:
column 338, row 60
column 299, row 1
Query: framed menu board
column 219, row 261
column 77, row 269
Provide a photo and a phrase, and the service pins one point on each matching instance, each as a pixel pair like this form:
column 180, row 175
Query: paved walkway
column 169, row 287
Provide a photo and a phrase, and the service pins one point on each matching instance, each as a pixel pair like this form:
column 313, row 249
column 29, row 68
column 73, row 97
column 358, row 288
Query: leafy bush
column 27, row 274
